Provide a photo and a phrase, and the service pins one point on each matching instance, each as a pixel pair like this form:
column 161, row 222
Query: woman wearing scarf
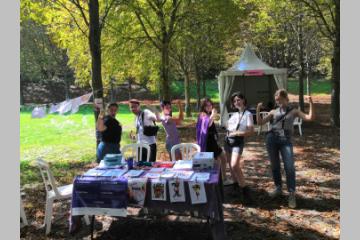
column 240, row 126
column 278, row 141
column 206, row 133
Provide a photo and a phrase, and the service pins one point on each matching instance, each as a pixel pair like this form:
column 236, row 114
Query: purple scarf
column 202, row 131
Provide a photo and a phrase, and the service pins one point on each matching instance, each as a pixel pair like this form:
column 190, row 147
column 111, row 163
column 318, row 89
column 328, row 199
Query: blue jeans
column 277, row 145
column 105, row 148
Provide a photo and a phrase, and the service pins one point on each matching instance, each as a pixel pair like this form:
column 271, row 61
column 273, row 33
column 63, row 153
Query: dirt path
column 317, row 215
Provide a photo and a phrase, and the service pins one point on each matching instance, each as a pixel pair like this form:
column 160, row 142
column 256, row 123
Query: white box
column 203, row 160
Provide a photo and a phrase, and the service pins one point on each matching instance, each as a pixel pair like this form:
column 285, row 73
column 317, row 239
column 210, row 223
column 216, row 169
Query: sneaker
column 292, row 200
column 277, row 192
column 228, row 182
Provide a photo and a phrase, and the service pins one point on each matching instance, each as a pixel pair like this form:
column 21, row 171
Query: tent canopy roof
column 250, row 62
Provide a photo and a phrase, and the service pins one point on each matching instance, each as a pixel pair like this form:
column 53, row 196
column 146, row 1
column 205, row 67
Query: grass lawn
column 317, row 87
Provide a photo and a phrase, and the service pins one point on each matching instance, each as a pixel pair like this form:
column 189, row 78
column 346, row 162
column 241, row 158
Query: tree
column 327, row 15
column 159, row 21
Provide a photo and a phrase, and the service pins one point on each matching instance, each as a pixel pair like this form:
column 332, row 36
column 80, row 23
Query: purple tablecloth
column 108, row 196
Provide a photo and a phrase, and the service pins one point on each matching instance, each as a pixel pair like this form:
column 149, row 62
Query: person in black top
column 110, row 130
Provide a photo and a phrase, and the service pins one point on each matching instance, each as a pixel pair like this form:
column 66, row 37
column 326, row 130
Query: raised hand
column 259, row 106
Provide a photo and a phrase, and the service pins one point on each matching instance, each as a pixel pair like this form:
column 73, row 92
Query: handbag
column 149, row 130
column 235, row 140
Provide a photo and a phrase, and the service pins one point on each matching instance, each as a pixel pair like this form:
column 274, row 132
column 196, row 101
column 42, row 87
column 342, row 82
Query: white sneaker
column 228, row 182
column 277, row 192
column 292, row 200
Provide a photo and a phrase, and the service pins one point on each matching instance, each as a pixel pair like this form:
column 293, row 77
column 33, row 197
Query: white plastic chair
column 298, row 122
column 23, row 215
column 263, row 115
column 136, row 150
column 187, row 150
column 53, row 192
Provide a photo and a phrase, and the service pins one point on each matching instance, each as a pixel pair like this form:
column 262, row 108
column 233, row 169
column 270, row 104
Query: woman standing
column 278, row 141
column 206, row 133
column 110, row 130
column 169, row 122
column 240, row 125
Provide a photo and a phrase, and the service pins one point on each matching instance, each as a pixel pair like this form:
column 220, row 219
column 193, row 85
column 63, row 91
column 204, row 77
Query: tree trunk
column 204, row 87
column 187, row 95
column 198, row 86
column 21, row 91
column 301, row 62
column 130, row 87
column 112, row 90
column 164, row 86
column 95, row 50
column 335, row 93
column 67, row 87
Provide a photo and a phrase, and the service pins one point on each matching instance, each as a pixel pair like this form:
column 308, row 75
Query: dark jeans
column 277, row 145
column 105, row 148
column 152, row 153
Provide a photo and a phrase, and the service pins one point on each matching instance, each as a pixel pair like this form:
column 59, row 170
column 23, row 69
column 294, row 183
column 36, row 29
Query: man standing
column 144, row 118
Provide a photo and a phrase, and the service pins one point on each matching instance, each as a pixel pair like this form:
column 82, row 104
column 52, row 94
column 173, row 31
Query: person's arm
column 311, row 115
column 212, row 116
column 259, row 119
column 249, row 128
column 100, row 126
column 149, row 115
column 180, row 118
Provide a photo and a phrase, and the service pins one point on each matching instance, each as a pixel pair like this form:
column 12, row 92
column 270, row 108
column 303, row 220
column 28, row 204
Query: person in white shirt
column 144, row 118
column 240, row 125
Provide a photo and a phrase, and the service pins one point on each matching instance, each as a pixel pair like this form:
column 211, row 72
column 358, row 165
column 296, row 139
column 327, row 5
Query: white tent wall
column 225, row 85
column 255, row 89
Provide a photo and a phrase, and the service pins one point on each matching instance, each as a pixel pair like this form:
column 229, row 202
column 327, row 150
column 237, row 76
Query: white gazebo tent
column 252, row 77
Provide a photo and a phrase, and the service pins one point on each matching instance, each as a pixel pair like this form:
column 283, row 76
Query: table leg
column 92, row 227
column 218, row 230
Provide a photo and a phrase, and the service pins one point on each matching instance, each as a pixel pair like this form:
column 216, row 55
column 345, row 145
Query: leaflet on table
column 173, row 173
column 114, row 172
column 183, row 164
column 94, row 172
column 200, row 176
column 156, row 170
column 134, row 173
column 152, row 175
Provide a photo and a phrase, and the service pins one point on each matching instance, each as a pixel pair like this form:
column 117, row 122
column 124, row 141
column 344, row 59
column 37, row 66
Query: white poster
column 158, row 189
column 65, row 106
column 54, row 108
column 197, row 192
column 38, row 112
column 76, row 102
column 176, row 190
column 137, row 190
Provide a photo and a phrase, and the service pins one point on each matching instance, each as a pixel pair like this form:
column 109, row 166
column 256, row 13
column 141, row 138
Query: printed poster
column 158, row 189
column 176, row 190
column 197, row 192
column 137, row 190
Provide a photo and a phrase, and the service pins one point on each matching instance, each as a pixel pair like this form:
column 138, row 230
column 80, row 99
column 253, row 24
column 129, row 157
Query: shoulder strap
column 288, row 110
column 238, row 126
column 142, row 119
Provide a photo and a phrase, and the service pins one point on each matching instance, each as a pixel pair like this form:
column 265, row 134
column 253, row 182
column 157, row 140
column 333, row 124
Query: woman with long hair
column 207, row 135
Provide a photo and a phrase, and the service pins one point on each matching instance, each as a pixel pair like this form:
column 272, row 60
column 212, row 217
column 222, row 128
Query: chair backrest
column 297, row 121
column 47, row 176
column 136, row 151
column 187, row 150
